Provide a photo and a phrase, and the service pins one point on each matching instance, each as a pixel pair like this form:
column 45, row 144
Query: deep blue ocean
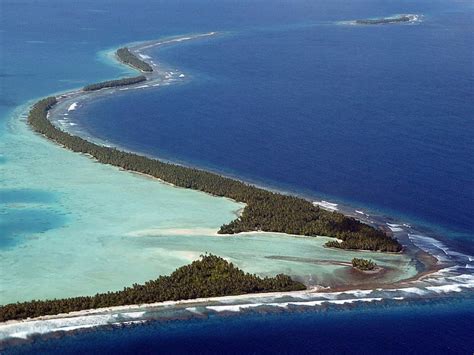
column 375, row 116
column 378, row 117
column 442, row 328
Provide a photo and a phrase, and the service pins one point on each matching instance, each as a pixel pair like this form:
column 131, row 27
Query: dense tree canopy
column 264, row 210
column 363, row 264
column 211, row 276
column 114, row 83
column 131, row 59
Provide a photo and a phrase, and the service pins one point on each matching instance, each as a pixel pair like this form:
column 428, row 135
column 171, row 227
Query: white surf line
column 326, row 205
column 179, row 39
column 395, row 227
column 305, row 298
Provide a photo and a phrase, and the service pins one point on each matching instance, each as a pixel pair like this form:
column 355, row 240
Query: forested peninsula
column 127, row 57
column 264, row 211
column 211, row 276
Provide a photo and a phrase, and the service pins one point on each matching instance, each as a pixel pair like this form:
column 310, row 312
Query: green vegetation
column 131, row 59
column 363, row 264
column 115, row 83
column 211, row 276
column 264, row 211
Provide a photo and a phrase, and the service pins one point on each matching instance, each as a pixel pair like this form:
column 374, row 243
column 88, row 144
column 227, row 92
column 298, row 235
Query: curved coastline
column 206, row 301
column 265, row 210
column 158, row 77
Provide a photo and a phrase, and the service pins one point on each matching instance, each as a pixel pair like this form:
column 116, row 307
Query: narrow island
column 115, row 83
column 388, row 20
column 211, row 276
column 127, row 57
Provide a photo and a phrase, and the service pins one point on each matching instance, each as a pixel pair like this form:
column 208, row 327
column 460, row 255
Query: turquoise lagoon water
column 71, row 226
column 94, row 228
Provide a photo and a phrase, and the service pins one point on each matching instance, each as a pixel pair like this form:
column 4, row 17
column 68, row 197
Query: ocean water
column 422, row 328
column 285, row 96
column 362, row 115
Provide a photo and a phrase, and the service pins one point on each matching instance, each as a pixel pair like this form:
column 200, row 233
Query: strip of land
column 115, row 83
column 211, row 276
column 388, row 20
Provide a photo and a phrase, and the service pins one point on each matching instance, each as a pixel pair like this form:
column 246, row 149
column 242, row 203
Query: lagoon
column 71, row 226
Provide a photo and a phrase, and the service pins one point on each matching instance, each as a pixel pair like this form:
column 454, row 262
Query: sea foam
column 72, row 107
column 326, row 205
